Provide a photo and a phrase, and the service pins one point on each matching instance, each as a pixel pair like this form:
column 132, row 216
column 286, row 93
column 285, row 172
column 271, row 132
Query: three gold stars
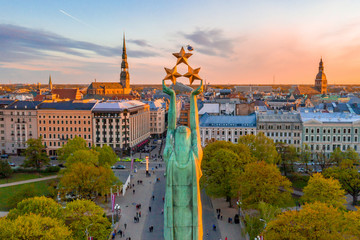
column 182, row 57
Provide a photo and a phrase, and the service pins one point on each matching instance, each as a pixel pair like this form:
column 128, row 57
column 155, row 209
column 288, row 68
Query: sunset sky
column 235, row 42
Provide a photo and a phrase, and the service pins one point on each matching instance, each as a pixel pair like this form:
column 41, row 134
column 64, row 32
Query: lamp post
column 117, row 209
column 87, row 231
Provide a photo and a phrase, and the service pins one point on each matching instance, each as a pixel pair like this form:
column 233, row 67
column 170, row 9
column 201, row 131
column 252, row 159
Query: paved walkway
column 128, row 205
column 27, row 181
column 231, row 231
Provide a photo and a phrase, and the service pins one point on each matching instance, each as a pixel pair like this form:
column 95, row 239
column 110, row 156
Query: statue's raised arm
column 172, row 107
column 194, row 121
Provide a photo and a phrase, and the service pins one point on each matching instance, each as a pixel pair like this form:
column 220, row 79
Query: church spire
column 50, row 83
column 321, row 65
column 124, row 75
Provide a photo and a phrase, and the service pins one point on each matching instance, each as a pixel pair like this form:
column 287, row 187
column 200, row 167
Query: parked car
column 12, row 164
column 118, row 167
column 4, row 156
column 53, row 158
column 302, row 170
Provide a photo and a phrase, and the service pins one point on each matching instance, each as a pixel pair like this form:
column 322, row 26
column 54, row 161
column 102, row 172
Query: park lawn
column 41, row 188
column 24, row 176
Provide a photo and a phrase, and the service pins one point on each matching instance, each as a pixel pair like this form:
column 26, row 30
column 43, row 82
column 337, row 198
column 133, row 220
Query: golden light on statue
column 172, row 74
column 182, row 56
column 192, row 74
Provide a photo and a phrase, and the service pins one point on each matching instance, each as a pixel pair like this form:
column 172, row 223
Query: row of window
column 333, row 147
column 64, row 129
column 282, row 134
column 64, row 136
column 62, row 122
column 18, row 113
column 62, row 116
column 278, row 127
column 328, row 138
column 328, row 130
column 229, row 133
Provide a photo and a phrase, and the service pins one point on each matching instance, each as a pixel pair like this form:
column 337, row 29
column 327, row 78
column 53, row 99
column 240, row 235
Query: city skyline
column 236, row 42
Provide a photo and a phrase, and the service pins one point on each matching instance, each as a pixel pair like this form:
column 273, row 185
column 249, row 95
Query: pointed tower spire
column 321, row 65
column 50, row 83
column 124, row 75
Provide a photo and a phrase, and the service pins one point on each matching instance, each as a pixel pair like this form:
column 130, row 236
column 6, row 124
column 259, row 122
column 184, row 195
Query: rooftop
column 67, row 105
column 329, row 117
column 117, row 105
column 24, row 105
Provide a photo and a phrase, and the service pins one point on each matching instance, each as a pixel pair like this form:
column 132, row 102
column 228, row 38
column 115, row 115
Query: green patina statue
column 183, row 155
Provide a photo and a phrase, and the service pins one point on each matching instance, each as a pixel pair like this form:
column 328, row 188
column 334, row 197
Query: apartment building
column 157, row 117
column 123, row 125
column 226, row 128
column 61, row 121
column 20, row 124
column 281, row 126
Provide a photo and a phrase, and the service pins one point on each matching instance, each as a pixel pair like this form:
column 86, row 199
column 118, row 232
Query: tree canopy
column 261, row 182
column 43, row 206
column 222, row 162
column 261, row 147
column 82, row 214
column 35, row 154
column 73, row 145
column 326, row 190
column 107, row 156
column 33, row 226
column 314, row 221
column 5, row 169
column 349, row 179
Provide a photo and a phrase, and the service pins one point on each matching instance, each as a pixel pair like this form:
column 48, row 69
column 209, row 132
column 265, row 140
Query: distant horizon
column 239, row 42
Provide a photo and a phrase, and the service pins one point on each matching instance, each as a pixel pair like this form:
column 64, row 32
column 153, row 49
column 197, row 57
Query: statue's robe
column 188, row 223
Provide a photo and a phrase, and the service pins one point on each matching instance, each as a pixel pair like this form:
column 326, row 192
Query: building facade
column 59, row 122
column 20, row 124
column 324, row 132
column 226, row 128
column 157, row 117
column 280, row 126
column 123, row 125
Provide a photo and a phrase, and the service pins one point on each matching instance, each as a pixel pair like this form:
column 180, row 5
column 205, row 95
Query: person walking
column 125, row 225
column 149, row 209
column 133, row 191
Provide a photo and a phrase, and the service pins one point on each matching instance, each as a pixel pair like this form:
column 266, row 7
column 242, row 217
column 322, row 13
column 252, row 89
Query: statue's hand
column 198, row 90
column 167, row 90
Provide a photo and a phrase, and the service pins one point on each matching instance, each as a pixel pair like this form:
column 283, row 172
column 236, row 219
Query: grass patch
column 24, row 176
column 299, row 181
column 41, row 188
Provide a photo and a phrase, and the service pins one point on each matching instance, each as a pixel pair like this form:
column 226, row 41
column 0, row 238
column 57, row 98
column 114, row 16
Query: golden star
column 192, row 74
column 172, row 74
column 182, row 57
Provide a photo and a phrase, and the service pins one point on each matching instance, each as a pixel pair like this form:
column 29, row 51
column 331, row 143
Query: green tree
column 43, row 206
column 326, row 190
column 88, row 157
column 314, row 221
column 305, row 155
column 288, row 155
column 5, row 169
column 72, row 146
column 352, row 155
column 262, row 182
column 33, row 226
column 25, row 193
column 218, row 172
column 84, row 214
column 337, row 156
column 107, row 156
column 261, row 147
column 35, row 154
column 86, row 180
column 349, row 179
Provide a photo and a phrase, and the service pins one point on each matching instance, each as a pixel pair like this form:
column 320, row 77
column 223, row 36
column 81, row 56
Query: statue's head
column 182, row 138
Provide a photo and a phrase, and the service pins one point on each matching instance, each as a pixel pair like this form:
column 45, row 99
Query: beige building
column 61, row 121
column 123, row 125
column 280, row 126
column 20, row 124
column 157, row 117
